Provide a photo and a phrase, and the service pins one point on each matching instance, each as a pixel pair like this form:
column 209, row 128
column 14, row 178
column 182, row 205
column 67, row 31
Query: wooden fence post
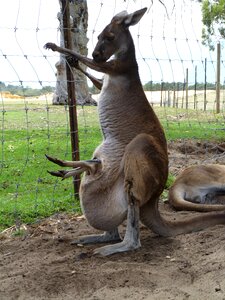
column 71, row 91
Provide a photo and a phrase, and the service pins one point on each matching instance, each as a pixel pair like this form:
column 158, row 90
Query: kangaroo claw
column 51, row 46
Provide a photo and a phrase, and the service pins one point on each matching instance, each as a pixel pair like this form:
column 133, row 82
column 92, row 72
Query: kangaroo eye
column 110, row 37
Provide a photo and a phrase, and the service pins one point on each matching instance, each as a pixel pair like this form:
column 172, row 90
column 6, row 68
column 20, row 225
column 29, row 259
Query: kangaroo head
column 115, row 38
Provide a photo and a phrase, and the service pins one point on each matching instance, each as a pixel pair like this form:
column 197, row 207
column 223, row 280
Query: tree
column 213, row 18
column 79, row 21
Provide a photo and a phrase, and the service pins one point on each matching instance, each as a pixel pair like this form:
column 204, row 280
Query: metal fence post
column 218, row 79
column 186, row 89
column 205, row 86
column 195, row 94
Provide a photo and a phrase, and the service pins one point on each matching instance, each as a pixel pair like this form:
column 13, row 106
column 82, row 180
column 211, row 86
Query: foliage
column 178, row 86
column 149, row 86
column 25, row 91
column 158, row 86
column 213, row 18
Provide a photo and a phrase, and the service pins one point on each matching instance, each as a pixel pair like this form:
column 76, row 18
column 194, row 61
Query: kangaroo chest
column 119, row 109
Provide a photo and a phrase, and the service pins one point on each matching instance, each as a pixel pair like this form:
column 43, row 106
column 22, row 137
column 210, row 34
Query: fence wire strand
column 177, row 71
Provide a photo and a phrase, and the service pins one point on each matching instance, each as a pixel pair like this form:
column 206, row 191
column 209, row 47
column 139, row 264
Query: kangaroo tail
column 176, row 200
column 151, row 217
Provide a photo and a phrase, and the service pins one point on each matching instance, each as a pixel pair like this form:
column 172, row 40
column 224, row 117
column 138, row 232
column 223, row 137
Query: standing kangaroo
column 128, row 171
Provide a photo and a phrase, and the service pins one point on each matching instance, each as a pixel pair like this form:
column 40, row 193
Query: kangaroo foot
column 125, row 245
column 108, row 236
column 90, row 166
column 67, row 173
column 56, row 160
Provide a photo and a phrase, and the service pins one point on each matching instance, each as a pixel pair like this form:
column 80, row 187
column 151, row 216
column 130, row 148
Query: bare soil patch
column 42, row 264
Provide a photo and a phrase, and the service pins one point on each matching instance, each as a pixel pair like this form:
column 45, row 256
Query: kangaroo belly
column 105, row 206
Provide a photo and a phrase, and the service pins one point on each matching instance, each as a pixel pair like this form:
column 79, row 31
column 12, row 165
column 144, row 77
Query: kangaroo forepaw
column 51, row 46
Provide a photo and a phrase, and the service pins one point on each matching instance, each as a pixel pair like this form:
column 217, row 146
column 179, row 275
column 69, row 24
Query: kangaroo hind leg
column 139, row 184
column 131, row 240
column 90, row 166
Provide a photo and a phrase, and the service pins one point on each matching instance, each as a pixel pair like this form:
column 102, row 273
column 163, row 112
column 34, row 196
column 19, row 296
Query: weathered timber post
column 71, row 91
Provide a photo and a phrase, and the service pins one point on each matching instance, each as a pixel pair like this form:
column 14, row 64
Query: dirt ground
column 42, row 264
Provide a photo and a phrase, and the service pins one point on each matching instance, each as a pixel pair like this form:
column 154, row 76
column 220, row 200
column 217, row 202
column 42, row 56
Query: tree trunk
column 79, row 22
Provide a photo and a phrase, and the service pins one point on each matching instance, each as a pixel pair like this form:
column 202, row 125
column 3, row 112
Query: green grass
column 27, row 132
column 191, row 124
column 27, row 191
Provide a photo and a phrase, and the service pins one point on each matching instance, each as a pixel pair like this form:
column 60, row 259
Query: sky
column 167, row 39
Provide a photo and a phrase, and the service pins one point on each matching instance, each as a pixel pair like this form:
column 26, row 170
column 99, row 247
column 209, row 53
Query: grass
column 191, row 124
column 27, row 190
column 29, row 130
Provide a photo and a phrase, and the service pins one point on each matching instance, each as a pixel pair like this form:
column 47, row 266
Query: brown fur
column 131, row 164
column 199, row 188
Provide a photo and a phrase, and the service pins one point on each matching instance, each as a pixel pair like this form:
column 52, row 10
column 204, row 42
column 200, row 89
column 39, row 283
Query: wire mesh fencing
column 183, row 80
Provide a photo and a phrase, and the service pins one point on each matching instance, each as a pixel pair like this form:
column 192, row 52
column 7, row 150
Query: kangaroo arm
column 73, row 62
column 97, row 82
column 104, row 67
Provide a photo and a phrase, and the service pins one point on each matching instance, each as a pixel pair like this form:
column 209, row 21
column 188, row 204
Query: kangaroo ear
column 135, row 17
column 129, row 19
column 120, row 17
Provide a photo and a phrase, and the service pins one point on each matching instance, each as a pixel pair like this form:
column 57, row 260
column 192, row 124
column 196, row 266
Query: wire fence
column 180, row 77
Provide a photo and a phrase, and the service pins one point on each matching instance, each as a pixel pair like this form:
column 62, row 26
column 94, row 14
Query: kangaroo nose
column 96, row 56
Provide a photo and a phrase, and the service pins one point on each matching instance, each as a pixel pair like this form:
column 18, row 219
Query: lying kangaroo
column 199, row 188
column 128, row 171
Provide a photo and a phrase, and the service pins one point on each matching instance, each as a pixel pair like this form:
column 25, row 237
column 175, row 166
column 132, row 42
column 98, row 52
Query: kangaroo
column 128, row 171
column 200, row 188
column 74, row 63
